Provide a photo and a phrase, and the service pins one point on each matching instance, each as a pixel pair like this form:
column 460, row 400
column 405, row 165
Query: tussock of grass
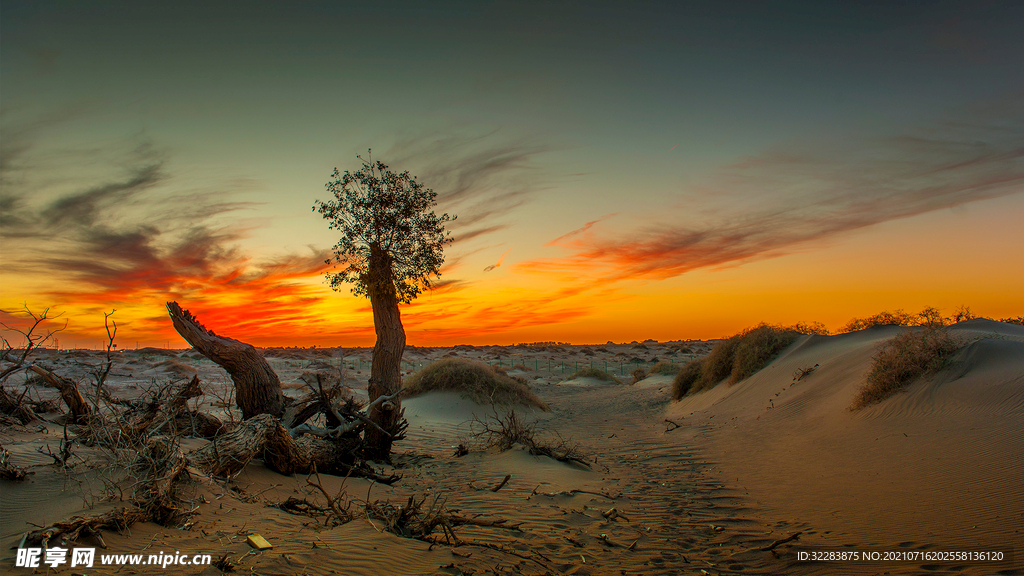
column 664, row 367
column 686, row 377
column 638, row 375
column 594, row 373
column 176, row 368
column 479, row 382
column 734, row 359
column 903, row 359
column 758, row 347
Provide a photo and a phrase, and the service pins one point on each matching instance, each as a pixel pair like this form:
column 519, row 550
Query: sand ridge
column 700, row 486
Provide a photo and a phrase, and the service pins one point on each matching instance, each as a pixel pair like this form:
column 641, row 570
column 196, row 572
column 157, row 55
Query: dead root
column 71, row 530
column 414, row 521
column 8, row 470
column 504, row 432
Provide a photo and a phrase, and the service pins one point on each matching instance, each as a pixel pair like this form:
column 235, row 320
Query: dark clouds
column 123, row 231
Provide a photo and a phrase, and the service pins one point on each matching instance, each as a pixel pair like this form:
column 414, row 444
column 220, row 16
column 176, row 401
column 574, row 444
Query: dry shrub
column 758, row 347
column 594, row 373
column 903, row 359
column 638, row 375
column 810, row 328
column 717, row 365
column 737, row 358
column 897, row 318
column 1018, row 320
column 686, row 378
column 930, row 317
column 506, row 431
column 664, row 367
column 176, row 368
column 479, row 382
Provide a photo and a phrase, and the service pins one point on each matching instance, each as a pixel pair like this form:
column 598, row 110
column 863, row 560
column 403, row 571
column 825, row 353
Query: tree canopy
column 376, row 208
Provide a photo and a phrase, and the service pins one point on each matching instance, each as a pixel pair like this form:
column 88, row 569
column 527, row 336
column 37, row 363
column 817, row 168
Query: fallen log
column 257, row 387
column 265, row 436
column 68, row 389
column 70, row 530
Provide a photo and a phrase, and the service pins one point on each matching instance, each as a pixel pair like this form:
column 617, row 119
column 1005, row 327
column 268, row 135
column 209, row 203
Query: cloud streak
column 498, row 263
column 131, row 239
column 770, row 204
column 478, row 177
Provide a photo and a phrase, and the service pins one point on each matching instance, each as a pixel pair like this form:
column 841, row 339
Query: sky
column 620, row 170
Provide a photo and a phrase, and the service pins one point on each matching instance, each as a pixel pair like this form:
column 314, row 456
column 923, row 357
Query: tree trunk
column 257, row 388
column 68, row 389
column 385, row 371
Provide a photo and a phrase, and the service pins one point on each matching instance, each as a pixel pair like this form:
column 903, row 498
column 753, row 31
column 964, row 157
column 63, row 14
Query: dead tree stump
column 257, row 387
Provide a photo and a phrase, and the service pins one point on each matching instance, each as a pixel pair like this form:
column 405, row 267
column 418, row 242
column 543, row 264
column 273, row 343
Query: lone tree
column 391, row 244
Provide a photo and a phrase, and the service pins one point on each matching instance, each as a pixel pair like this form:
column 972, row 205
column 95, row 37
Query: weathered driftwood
column 257, row 387
column 70, row 530
column 16, row 408
column 68, row 389
column 9, row 470
column 265, row 436
column 170, row 407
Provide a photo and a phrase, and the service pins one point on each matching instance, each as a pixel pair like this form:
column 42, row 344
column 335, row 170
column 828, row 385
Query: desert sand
column 705, row 485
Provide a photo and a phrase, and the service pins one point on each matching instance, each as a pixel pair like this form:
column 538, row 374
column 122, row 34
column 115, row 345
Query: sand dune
column 936, row 467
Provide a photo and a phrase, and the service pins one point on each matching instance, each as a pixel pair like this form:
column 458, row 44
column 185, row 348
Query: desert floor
column 701, row 486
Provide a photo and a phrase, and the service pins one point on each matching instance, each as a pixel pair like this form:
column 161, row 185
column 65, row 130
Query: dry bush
column 810, row 328
column 505, row 432
column 594, row 373
column 903, row 359
column 717, row 365
column 664, row 367
column 897, row 318
column 638, row 375
column 1019, row 320
column 176, row 368
column 758, row 347
column 737, row 358
column 479, row 382
column 929, row 316
column 962, row 314
column 413, row 520
column 686, row 377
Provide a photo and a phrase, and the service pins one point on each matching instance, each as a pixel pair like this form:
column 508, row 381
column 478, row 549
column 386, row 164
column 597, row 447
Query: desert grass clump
column 904, row 358
column 594, row 373
column 638, row 375
column 686, row 377
column 717, row 365
column 665, row 368
column 475, row 380
column 757, row 347
column 734, row 359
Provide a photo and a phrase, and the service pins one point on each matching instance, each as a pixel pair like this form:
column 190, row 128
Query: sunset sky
column 620, row 170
